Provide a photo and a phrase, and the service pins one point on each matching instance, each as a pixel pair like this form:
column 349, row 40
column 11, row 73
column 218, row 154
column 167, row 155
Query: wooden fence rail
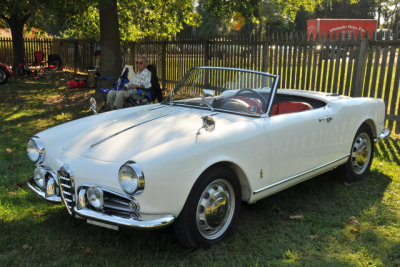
column 341, row 64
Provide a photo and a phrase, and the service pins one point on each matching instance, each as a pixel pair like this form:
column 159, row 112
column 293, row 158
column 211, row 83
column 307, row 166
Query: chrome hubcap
column 361, row 153
column 215, row 209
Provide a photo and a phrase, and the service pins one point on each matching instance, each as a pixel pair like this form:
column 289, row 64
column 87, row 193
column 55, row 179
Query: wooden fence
column 346, row 65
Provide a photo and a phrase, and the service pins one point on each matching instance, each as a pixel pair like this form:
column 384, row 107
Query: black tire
column 211, row 210
column 3, row 76
column 361, row 155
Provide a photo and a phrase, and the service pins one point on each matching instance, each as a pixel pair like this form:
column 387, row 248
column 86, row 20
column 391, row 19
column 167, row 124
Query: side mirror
column 93, row 105
column 208, row 124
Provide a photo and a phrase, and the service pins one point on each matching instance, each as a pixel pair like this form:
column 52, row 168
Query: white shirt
column 143, row 79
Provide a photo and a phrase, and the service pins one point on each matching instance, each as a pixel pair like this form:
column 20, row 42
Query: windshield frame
column 273, row 89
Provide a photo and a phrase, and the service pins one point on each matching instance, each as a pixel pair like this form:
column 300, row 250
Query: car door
column 297, row 142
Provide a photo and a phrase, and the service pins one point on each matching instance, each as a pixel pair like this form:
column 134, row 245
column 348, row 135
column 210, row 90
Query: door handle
column 327, row 119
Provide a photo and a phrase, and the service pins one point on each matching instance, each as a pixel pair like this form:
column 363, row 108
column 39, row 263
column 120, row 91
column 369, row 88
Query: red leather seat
column 289, row 107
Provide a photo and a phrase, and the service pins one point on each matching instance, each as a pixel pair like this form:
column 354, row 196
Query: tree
column 16, row 14
column 111, row 61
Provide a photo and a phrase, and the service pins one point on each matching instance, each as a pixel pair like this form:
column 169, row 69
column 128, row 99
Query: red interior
column 289, row 107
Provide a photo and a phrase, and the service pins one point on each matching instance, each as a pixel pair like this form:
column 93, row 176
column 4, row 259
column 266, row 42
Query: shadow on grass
column 296, row 225
column 389, row 150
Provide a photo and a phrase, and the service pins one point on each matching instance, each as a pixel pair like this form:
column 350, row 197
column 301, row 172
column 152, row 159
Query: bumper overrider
column 105, row 208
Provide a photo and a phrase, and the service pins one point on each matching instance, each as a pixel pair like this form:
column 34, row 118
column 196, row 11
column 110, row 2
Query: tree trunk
column 111, row 60
column 17, row 33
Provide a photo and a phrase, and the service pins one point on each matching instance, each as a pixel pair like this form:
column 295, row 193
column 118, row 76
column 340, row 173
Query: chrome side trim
column 300, row 174
column 32, row 186
column 146, row 221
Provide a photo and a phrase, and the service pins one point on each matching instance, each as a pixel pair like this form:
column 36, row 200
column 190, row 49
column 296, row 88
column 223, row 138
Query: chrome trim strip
column 298, row 175
column 32, row 186
column 131, row 127
column 146, row 220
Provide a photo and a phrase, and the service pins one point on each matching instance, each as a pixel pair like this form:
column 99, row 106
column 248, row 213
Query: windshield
column 225, row 89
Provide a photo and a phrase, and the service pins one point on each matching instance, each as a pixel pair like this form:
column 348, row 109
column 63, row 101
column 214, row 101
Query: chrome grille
column 117, row 205
column 66, row 184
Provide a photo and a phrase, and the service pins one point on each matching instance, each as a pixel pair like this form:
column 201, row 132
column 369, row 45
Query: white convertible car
column 223, row 136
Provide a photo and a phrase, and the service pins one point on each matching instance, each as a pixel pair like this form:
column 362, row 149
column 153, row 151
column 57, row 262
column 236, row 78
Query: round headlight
column 95, row 197
column 35, row 150
column 40, row 176
column 131, row 178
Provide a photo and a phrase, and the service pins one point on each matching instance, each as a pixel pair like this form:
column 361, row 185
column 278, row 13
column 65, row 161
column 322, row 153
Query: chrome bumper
column 145, row 222
column 38, row 191
column 385, row 133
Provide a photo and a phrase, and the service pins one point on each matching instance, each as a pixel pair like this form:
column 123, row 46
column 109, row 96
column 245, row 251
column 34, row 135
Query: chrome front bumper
column 143, row 221
column 146, row 221
column 38, row 191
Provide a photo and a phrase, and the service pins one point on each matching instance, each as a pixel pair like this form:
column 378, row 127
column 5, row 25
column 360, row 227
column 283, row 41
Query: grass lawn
column 321, row 222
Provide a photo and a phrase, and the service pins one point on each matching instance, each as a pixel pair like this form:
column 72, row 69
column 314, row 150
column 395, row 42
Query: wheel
column 3, row 76
column 211, row 210
column 361, row 155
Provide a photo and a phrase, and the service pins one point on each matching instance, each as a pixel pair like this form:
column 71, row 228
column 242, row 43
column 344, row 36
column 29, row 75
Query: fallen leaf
column 12, row 193
column 58, row 107
column 347, row 184
column 26, row 247
column 8, row 150
column 38, row 213
column 13, row 165
column 296, row 217
column 353, row 221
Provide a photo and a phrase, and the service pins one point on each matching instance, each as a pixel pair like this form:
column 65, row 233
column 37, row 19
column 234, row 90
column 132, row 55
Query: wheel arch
column 240, row 176
column 371, row 125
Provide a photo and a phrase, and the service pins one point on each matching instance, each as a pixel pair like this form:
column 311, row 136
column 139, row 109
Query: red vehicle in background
column 5, row 73
column 332, row 26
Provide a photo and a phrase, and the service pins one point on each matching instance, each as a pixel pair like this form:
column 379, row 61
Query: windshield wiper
column 203, row 99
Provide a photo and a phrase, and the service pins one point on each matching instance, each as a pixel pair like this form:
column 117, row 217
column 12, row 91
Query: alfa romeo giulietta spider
column 224, row 136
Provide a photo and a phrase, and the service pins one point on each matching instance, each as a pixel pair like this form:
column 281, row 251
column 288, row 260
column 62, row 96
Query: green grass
column 334, row 224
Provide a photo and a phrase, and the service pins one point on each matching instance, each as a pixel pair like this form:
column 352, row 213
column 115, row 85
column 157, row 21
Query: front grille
column 119, row 205
column 66, row 184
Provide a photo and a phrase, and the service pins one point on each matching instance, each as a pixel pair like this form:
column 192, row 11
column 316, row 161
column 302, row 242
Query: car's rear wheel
column 211, row 210
column 3, row 76
column 361, row 155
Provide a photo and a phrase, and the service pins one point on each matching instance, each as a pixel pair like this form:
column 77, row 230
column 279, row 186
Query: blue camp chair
column 126, row 75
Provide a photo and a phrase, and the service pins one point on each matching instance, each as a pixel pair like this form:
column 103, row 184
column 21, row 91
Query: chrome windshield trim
column 298, row 175
column 32, row 186
column 146, row 221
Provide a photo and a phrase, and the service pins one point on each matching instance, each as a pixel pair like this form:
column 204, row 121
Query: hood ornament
column 208, row 124
column 93, row 105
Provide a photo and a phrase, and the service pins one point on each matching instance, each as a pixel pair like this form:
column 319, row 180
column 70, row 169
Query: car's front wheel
column 361, row 155
column 211, row 210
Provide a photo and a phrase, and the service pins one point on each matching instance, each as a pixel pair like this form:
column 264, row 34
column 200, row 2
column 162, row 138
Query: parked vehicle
column 6, row 72
column 224, row 136
column 332, row 26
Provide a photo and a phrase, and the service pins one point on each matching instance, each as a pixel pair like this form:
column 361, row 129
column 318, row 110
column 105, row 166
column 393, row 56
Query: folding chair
column 126, row 75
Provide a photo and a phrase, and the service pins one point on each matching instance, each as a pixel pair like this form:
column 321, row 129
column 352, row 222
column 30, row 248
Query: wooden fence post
column 75, row 56
column 206, row 44
column 163, row 64
column 360, row 67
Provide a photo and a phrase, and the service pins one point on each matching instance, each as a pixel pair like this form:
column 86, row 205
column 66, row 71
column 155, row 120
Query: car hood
column 126, row 134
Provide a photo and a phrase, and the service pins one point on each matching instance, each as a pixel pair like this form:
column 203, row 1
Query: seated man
column 116, row 99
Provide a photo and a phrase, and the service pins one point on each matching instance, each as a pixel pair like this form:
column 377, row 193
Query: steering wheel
column 258, row 95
